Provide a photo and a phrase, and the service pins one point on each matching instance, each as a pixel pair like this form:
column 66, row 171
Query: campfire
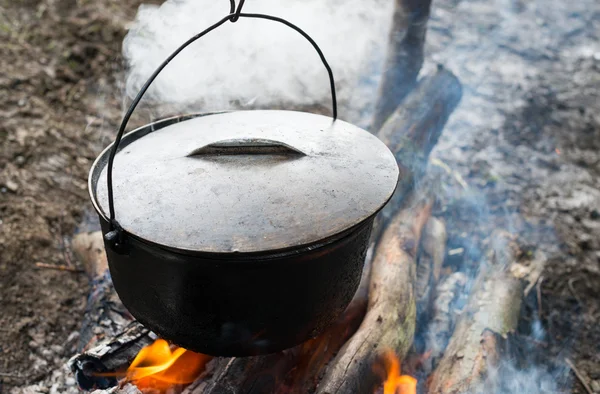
column 159, row 367
column 395, row 383
column 162, row 368
column 399, row 334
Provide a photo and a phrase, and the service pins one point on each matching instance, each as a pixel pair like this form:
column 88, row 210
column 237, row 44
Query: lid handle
column 246, row 146
column 233, row 16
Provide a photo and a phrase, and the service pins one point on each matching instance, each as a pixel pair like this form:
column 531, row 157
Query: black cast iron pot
column 245, row 245
column 239, row 233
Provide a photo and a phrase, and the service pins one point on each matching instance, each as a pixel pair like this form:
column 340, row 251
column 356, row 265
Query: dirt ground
column 58, row 98
column 526, row 139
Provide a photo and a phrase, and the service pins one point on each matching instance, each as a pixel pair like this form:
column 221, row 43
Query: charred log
column 95, row 368
column 404, row 56
column 109, row 338
column 413, row 130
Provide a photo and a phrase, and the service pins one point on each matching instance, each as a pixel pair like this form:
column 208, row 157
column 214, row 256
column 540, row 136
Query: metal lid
column 247, row 181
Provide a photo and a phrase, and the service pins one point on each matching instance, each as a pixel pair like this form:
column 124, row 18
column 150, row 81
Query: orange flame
column 159, row 367
column 394, row 382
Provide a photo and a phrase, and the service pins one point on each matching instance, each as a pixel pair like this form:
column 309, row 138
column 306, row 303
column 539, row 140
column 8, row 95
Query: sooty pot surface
column 240, row 233
column 239, row 307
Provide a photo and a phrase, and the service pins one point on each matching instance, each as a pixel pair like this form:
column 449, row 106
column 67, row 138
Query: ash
column 526, row 139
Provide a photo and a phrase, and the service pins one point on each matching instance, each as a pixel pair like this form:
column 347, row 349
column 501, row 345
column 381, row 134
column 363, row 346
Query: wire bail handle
column 116, row 236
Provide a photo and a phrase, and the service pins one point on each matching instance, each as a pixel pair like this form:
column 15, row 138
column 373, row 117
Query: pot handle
column 115, row 237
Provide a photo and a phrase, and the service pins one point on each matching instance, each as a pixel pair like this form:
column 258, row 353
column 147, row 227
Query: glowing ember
column 396, row 383
column 159, row 367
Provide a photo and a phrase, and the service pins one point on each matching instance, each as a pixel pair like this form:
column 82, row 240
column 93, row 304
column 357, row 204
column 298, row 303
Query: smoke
column 258, row 62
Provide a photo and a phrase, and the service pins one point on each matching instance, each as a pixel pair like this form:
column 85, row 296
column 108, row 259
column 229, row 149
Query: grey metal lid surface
column 248, row 181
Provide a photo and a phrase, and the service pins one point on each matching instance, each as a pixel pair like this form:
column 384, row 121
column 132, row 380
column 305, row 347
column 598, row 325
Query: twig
column 12, row 375
column 579, row 376
column 538, row 289
column 534, row 341
column 454, row 174
column 61, row 267
column 575, row 295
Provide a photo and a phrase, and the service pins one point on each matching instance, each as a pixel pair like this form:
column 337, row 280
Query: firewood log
column 404, row 56
column 442, row 320
column 491, row 313
column 390, row 320
column 113, row 354
column 413, row 130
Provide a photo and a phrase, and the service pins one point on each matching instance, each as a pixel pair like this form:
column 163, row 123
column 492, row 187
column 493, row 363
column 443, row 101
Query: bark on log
column 109, row 356
column 390, row 320
column 404, row 57
column 414, row 129
column 492, row 310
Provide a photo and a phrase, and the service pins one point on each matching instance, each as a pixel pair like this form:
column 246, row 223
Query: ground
column 526, row 139
column 58, row 98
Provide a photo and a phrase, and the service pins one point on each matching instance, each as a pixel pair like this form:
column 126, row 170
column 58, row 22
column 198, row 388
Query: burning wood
column 390, row 319
column 413, row 130
column 394, row 382
column 160, row 367
column 96, row 367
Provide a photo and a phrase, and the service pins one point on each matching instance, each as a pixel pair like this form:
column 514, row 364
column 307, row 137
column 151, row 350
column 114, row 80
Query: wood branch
column 105, row 316
column 429, row 265
column 112, row 355
column 404, row 56
column 414, row 129
column 492, row 310
column 89, row 249
column 443, row 319
column 390, row 320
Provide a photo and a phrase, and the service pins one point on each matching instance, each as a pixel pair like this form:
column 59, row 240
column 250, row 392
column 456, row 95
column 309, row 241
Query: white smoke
column 259, row 62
